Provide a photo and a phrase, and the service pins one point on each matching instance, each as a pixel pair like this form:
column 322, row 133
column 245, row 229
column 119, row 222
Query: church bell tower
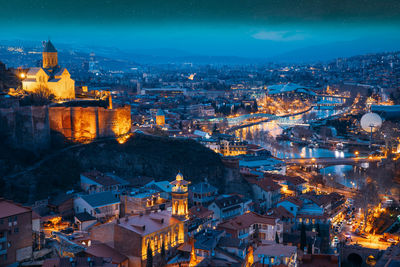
column 50, row 56
column 180, row 197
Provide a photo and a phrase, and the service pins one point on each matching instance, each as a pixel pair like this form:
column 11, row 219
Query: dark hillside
column 156, row 157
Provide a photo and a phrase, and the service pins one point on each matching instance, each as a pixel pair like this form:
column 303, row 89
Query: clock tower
column 180, row 197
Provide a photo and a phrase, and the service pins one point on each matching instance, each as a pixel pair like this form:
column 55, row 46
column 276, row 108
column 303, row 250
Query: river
column 257, row 134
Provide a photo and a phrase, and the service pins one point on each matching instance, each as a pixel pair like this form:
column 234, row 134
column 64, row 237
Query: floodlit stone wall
column 84, row 124
column 29, row 127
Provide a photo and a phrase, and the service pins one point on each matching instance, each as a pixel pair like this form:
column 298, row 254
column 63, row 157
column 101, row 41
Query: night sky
column 248, row 28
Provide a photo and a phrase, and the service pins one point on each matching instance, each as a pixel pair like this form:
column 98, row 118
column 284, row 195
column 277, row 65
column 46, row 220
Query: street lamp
column 356, row 153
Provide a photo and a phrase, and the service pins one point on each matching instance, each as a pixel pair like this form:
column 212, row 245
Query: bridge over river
column 331, row 161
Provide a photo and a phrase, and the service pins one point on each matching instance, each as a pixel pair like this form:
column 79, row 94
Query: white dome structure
column 371, row 122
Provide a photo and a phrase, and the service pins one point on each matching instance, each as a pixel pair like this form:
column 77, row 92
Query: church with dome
column 50, row 75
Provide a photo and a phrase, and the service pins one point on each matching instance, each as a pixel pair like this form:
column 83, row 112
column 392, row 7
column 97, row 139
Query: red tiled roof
column 265, row 184
column 248, row 174
column 319, row 260
column 35, row 215
column 200, row 212
column 323, row 199
column 246, row 220
column 295, row 180
column 281, row 212
column 104, row 251
column 293, row 200
column 148, row 223
column 78, row 262
column 228, row 201
column 9, row 208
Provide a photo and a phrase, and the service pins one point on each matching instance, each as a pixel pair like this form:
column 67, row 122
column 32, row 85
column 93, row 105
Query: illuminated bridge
column 287, row 120
column 331, row 161
column 248, row 117
column 327, row 104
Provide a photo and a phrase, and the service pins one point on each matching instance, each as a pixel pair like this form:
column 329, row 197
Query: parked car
column 363, row 235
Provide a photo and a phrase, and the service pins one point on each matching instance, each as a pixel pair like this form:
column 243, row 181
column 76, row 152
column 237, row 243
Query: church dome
column 179, row 177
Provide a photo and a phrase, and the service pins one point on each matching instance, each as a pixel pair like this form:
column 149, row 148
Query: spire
column 49, row 47
column 50, row 58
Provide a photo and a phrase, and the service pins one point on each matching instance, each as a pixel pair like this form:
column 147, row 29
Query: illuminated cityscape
column 200, row 133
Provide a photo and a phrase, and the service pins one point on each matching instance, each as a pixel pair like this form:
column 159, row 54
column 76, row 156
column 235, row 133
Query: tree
column 367, row 197
column 163, row 254
column 276, row 238
column 390, row 132
column 303, row 237
column 42, row 95
column 163, row 250
column 149, row 261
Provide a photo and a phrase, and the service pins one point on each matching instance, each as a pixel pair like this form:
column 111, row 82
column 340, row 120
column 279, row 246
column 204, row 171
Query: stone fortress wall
column 26, row 127
column 30, row 127
column 83, row 124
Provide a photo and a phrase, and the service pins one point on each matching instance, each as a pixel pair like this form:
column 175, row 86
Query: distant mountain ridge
column 317, row 53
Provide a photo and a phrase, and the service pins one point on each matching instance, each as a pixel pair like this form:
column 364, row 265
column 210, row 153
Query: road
column 347, row 192
column 369, row 240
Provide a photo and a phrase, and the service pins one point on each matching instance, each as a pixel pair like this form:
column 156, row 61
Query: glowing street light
column 356, row 153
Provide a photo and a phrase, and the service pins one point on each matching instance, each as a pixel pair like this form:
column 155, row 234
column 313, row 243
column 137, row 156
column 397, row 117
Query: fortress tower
column 50, row 56
column 160, row 117
column 180, row 197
